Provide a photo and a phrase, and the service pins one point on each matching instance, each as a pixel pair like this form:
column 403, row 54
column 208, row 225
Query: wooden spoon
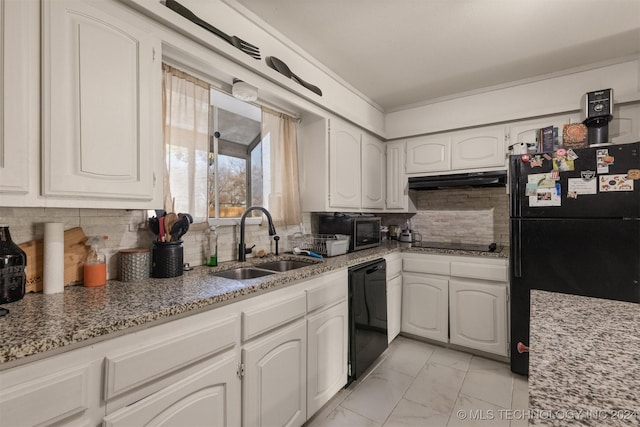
column 169, row 220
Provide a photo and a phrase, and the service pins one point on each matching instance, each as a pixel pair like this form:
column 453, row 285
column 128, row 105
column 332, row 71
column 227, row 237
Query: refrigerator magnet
column 571, row 155
column 580, row 186
column 602, row 166
column 633, row 174
column 610, row 183
column 561, row 163
column 536, row 161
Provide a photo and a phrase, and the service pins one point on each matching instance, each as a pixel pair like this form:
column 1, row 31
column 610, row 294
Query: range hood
column 471, row 179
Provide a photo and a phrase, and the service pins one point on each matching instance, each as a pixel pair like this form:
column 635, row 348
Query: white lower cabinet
column 327, row 358
column 208, row 397
column 478, row 315
column 457, row 300
column 394, row 295
column 60, row 390
column 271, row 360
column 425, row 306
column 275, row 371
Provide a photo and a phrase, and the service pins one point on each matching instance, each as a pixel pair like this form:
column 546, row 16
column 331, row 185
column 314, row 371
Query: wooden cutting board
column 75, row 253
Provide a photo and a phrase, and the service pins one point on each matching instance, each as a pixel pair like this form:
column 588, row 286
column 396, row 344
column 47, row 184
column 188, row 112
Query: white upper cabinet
column 101, row 105
column 469, row 150
column 341, row 167
column 373, row 173
column 344, row 166
column 18, row 99
column 429, row 154
column 397, row 194
column 478, row 148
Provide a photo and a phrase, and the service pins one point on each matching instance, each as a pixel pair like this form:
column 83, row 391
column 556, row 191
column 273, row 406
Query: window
column 237, row 178
column 223, row 155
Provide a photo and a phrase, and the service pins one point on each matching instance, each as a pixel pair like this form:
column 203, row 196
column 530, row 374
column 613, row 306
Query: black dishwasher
column 367, row 315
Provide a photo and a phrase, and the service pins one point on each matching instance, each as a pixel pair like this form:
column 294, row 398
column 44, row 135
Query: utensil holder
column 135, row 264
column 167, row 259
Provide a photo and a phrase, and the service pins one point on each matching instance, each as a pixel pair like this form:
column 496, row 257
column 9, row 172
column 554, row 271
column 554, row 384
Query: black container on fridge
column 13, row 264
column 575, row 229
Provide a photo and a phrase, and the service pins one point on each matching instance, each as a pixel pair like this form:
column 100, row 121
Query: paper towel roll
column 53, row 268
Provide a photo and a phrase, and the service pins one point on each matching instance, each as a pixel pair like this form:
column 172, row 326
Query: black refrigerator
column 574, row 228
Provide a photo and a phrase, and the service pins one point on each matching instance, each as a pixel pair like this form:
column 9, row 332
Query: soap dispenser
column 95, row 266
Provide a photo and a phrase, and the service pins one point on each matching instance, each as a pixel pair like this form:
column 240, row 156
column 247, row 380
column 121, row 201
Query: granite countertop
column 42, row 325
column 584, row 366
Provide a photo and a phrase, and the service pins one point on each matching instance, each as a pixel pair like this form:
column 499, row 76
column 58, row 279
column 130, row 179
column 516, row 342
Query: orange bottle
column 95, row 267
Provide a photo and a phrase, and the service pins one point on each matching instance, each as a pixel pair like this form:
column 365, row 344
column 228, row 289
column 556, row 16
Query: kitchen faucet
column 242, row 249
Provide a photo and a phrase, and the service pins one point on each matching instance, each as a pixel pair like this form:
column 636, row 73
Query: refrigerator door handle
column 517, row 250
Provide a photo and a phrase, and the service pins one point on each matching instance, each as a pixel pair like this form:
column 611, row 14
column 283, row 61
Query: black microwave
column 364, row 231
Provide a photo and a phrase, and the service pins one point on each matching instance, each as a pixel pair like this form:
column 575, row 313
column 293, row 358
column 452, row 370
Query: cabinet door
column 373, row 173
column 397, row 183
column 429, row 154
column 344, row 166
column 274, row 388
column 208, row 397
column 18, row 94
column 101, row 98
column 478, row 315
column 394, row 307
column 327, row 358
column 478, row 148
column 425, row 306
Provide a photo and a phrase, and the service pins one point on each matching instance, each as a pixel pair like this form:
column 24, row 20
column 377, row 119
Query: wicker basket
column 324, row 244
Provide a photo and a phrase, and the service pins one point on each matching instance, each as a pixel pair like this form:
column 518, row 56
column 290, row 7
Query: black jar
column 13, row 268
column 166, row 259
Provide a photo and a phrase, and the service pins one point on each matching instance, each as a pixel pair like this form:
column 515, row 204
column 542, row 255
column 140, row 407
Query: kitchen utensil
column 153, row 225
column 169, row 221
column 179, row 228
column 246, row 47
column 299, row 251
column 283, row 69
column 189, row 217
column 161, row 229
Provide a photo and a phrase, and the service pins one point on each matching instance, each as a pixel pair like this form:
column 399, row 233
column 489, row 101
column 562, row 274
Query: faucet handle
column 248, row 250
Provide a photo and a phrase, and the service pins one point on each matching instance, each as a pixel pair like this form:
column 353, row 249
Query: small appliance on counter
column 363, row 230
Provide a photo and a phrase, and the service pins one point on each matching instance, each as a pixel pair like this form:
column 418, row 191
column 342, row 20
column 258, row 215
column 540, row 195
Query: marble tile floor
column 419, row 384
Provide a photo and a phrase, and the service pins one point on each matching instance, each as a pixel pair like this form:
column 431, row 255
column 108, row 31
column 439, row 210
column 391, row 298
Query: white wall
column 553, row 95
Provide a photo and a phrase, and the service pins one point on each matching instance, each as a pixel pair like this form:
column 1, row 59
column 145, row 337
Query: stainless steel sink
column 243, row 273
column 285, row 264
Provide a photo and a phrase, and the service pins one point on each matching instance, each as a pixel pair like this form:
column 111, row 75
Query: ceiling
column 402, row 53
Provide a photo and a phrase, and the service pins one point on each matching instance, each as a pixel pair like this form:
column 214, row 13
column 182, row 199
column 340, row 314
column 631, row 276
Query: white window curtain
column 284, row 193
column 185, row 114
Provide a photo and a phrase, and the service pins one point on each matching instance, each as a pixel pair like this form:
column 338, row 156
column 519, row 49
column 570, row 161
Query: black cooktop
column 459, row 246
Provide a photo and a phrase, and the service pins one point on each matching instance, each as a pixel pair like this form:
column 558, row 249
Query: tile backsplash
column 467, row 215
column 128, row 229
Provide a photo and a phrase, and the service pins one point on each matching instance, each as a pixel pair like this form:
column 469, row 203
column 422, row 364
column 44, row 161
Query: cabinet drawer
column 331, row 289
column 426, row 264
column 487, row 270
column 55, row 396
column 260, row 319
column 127, row 370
